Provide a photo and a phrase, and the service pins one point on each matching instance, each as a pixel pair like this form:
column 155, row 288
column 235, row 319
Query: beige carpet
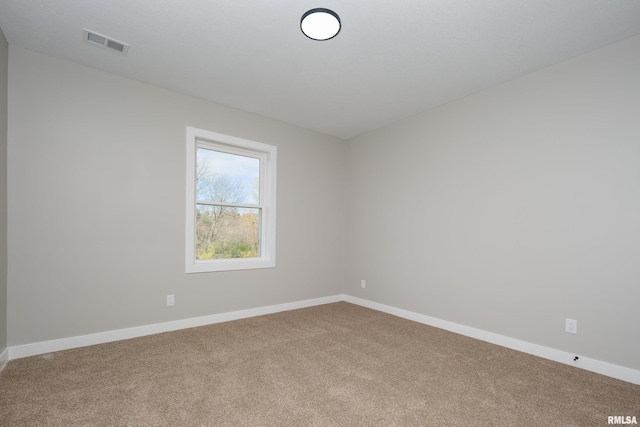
column 331, row 365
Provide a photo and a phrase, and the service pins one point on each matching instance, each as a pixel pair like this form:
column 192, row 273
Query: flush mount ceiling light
column 320, row 24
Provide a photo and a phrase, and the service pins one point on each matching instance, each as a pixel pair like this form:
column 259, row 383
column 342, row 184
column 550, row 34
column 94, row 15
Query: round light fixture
column 320, row 24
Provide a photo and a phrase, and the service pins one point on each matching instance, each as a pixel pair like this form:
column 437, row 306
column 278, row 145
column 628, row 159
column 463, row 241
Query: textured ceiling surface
column 391, row 60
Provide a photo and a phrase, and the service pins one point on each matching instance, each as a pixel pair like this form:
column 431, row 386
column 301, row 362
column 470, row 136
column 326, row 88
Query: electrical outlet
column 571, row 326
column 171, row 300
column 363, row 284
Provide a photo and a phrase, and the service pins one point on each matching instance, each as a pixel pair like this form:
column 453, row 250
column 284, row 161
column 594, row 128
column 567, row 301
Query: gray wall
column 512, row 209
column 96, row 205
column 506, row 211
column 4, row 63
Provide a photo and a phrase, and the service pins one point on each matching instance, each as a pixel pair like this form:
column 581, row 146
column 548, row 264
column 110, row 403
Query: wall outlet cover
column 571, row 326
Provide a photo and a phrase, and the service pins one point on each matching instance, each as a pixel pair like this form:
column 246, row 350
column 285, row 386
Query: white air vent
column 104, row 41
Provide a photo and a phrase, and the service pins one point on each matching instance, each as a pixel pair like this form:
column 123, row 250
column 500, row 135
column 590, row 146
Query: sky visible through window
column 242, row 173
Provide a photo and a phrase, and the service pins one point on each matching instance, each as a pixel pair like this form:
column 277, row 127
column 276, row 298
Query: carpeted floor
column 332, row 365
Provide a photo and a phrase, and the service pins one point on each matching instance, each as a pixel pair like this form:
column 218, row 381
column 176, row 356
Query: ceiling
column 392, row 59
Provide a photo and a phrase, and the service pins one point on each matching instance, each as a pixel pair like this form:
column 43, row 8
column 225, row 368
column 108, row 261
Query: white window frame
column 268, row 162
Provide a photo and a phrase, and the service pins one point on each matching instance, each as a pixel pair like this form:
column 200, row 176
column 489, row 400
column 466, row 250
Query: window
column 231, row 203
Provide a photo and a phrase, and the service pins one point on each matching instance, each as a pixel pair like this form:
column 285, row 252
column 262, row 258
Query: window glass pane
column 226, row 232
column 227, row 178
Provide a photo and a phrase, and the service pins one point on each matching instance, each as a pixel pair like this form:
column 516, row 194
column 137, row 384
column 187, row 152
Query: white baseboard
column 604, row 368
column 4, row 358
column 26, row 350
column 593, row 365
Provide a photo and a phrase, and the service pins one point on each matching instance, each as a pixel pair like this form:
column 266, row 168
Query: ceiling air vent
column 106, row 42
